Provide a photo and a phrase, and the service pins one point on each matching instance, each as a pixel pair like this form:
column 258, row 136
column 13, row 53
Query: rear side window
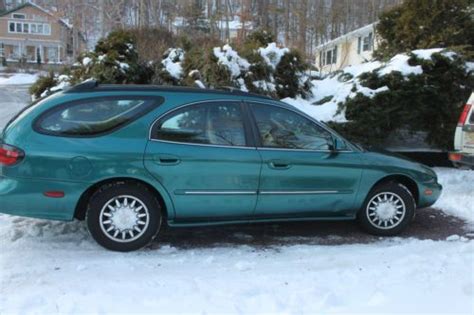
column 205, row 123
column 95, row 116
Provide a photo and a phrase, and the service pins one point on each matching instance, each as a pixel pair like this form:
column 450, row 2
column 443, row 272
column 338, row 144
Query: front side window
column 207, row 123
column 94, row 116
column 285, row 129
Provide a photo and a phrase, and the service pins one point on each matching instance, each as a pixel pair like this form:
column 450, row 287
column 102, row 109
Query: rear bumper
column 25, row 197
column 461, row 158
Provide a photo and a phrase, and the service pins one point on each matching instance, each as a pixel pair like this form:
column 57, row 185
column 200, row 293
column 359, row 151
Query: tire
column 388, row 210
column 123, row 216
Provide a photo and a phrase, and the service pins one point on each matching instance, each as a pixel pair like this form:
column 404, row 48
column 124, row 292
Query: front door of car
column 302, row 173
column 204, row 156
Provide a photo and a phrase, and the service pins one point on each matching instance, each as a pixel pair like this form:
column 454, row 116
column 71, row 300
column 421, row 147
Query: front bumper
column 429, row 194
column 25, row 197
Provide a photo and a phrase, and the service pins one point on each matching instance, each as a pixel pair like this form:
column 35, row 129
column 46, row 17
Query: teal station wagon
column 129, row 158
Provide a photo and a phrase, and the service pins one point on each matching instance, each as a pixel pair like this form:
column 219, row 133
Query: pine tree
column 419, row 24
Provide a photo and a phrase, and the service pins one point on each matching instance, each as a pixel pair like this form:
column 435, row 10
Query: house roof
column 34, row 5
column 355, row 33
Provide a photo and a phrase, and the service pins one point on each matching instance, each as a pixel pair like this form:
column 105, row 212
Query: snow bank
column 400, row 63
column 72, row 275
column 458, row 193
column 18, row 79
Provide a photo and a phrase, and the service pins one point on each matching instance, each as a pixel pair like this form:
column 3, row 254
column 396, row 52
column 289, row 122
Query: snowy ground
column 305, row 268
column 17, row 78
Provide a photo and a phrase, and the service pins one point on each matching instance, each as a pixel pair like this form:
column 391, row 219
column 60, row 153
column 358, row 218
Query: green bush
column 114, row 60
column 43, row 84
column 423, row 24
column 289, row 76
column 430, row 102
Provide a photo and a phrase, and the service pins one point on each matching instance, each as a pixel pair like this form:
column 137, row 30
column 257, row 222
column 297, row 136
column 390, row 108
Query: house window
column 52, row 55
column 12, row 52
column 29, row 28
column 328, row 57
column 46, row 29
column 365, row 43
column 19, row 16
column 30, row 53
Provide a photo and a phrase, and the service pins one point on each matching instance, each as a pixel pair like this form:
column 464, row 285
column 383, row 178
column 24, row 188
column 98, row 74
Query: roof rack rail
column 85, row 86
column 238, row 91
column 93, row 85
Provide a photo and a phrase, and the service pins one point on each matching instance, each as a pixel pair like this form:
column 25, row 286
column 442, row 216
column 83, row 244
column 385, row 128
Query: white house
column 228, row 29
column 352, row 48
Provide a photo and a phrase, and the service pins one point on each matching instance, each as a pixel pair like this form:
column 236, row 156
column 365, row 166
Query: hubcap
column 124, row 219
column 386, row 210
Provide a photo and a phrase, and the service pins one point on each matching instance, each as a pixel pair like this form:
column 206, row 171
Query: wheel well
column 405, row 181
column 81, row 207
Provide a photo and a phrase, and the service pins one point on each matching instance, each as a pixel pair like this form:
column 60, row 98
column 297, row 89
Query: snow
column 272, row 54
column 55, row 267
column 86, row 61
column 400, row 64
column 458, row 193
column 199, row 84
column 172, row 63
column 264, row 85
column 325, row 112
column 123, row 66
column 70, row 274
column 426, row 53
column 18, row 79
column 229, row 58
column 469, row 66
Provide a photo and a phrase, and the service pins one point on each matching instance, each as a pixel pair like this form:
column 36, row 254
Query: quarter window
column 282, row 128
column 208, row 123
column 94, row 116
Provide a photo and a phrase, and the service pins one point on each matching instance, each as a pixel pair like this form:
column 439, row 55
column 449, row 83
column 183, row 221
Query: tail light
column 463, row 117
column 455, row 157
column 9, row 155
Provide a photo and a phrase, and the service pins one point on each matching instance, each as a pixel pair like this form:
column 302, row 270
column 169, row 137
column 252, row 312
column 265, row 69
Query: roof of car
column 94, row 86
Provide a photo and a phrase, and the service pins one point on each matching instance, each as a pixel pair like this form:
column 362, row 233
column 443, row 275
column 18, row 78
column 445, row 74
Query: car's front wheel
column 123, row 216
column 387, row 210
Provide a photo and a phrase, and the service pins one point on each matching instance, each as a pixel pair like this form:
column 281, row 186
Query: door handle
column 279, row 165
column 167, row 159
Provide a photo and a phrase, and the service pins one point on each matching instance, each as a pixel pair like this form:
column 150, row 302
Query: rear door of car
column 204, row 155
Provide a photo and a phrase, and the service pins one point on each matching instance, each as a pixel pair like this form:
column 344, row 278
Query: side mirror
column 332, row 145
column 339, row 144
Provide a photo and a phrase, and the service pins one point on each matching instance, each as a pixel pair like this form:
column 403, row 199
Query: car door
column 301, row 174
column 204, row 156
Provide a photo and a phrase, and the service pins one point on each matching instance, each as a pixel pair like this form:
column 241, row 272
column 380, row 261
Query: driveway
column 12, row 99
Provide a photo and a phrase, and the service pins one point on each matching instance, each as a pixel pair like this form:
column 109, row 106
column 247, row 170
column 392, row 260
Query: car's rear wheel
column 123, row 216
column 387, row 210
